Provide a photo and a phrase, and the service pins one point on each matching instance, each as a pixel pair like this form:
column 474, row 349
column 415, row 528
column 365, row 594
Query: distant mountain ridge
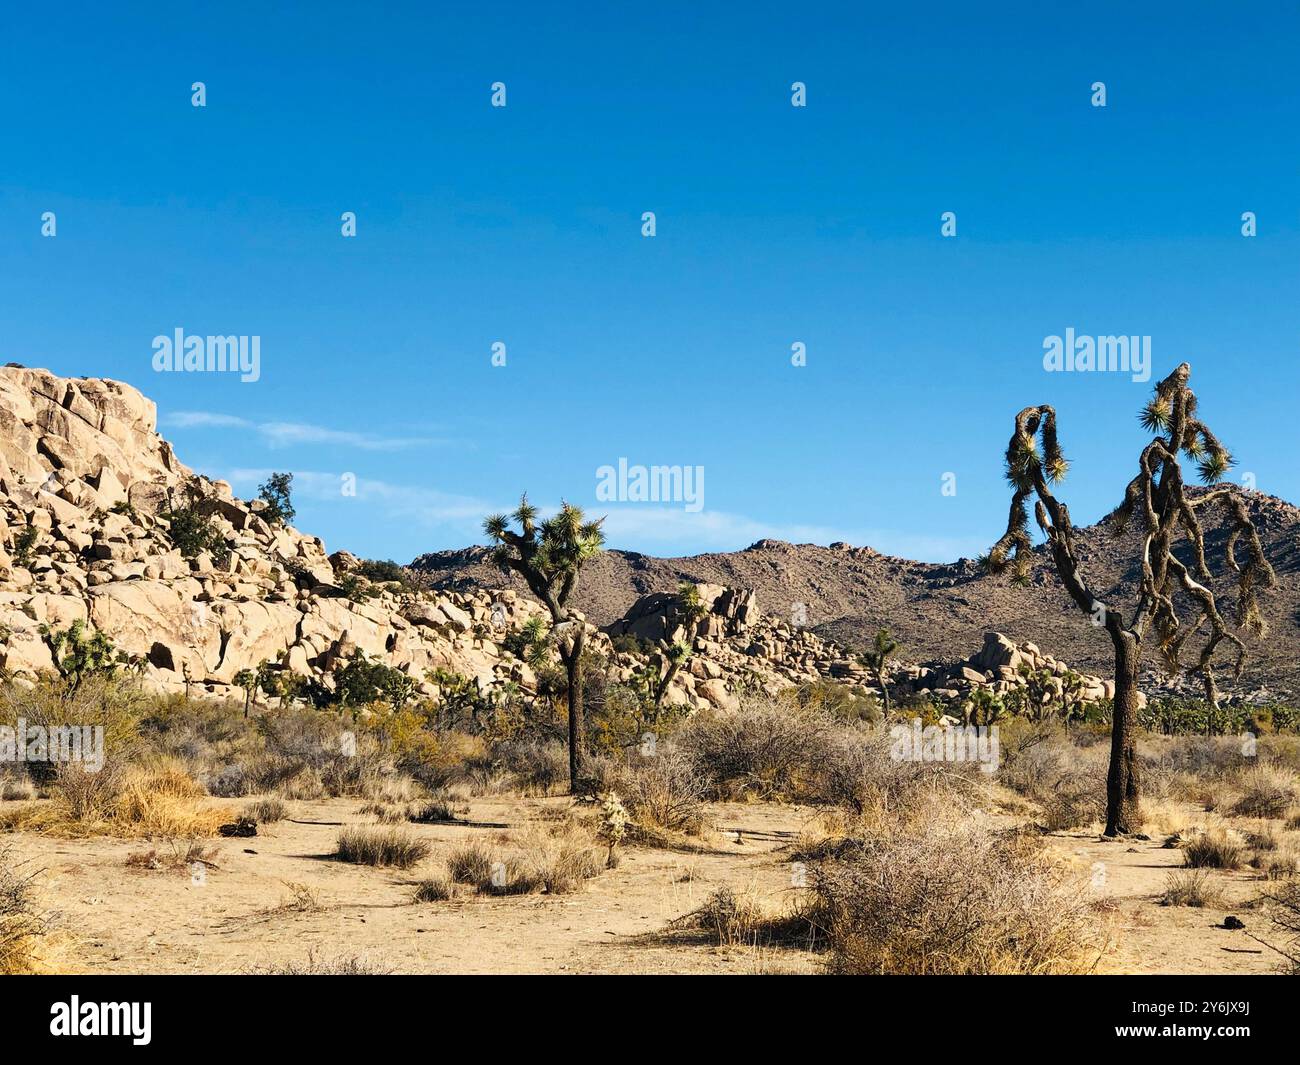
column 938, row 612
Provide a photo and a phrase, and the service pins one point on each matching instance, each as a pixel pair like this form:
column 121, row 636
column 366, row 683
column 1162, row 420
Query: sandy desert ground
column 249, row 913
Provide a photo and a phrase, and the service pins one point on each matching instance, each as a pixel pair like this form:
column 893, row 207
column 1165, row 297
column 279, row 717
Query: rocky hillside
column 936, row 612
column 88, row 537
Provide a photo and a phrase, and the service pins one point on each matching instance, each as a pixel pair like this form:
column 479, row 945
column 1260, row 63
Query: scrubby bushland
column 21, row 924
column 950, row 897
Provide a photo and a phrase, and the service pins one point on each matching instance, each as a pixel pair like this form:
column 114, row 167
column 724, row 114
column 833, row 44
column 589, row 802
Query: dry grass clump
column 319, row 965
column 140, row 802
column 438, row 810
column 1265, row 791
column 385, row 813
column 1280, row 866
column 951, row 898
column 435, row 889
column 266, row 811
column 1215, row 848
column 16, row 788
column 732, row 919
column 175, row 854
column 552, row 858
column 537, row 766
column 384, row 847
column 1191, row 887
column 21, row 925
column 471, row 864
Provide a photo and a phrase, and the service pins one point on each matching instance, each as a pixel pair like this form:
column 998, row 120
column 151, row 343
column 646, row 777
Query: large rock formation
column 85, row 487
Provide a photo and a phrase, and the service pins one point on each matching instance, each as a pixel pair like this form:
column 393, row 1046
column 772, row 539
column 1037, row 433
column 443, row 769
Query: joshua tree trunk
column 884, row 689
column 1122, row 783
column 577, row 726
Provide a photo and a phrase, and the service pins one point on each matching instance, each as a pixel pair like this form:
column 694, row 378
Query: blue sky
column 775, row 225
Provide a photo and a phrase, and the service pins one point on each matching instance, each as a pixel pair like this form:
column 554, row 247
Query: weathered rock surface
column 85, row 481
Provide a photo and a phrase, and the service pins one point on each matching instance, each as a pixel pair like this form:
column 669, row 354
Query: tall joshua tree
column 549, row 555
column 1158, row 498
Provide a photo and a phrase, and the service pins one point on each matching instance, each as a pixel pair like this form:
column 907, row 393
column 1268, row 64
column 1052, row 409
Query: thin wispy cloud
column 665, row 530
column 277, row 434
column 427, row 507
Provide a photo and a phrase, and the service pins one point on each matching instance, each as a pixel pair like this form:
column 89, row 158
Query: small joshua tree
column 247, row 679
column 549, row 556
column 79, row 654
column 687, row 611
column 882, row 646
column 1166, row 512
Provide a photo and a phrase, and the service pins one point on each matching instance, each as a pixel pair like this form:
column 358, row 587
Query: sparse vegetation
column 386, row 847
column 1214, row 849
column 22, row 926
column 1191, row 887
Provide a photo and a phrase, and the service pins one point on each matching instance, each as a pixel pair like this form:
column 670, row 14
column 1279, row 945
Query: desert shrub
column 1191, row 887
column 554, row 858
column 21, row 924
column 1213, row 849
column 1068, row 783
column 115, row 704
column 435, row 889
column 24, row 543
column 537, row 765
column 1282, row 905
column 266, row 811
column 440, row 809
column 730, row 919
column 387, row 847
column 1266, row 791
column 192, row 532
column 276, row 493
column 767, row 747
column 842, row 702
column 470, row 864
column 662, row 794
column 857, row 770
column 951, row 898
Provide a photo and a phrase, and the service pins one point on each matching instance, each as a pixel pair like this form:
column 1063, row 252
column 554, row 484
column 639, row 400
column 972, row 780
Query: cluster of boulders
column 734, row 647
column 86, row 488
column 1000, row 665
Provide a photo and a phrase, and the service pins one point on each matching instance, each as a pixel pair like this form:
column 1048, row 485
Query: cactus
column 1158, row 498
column 549, row 556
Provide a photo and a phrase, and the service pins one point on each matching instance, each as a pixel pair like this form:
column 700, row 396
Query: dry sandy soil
column 118, row 919
column 114, row 918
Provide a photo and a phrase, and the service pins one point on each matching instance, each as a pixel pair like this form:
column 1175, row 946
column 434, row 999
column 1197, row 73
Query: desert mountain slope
column 937, row 612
